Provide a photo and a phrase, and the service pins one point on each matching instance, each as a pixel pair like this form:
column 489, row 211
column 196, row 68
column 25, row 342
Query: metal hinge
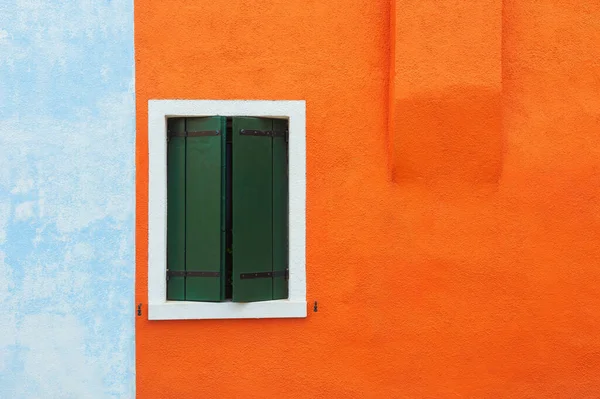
column 199, row 133
column 173, row 273
column 280, row 273
column 264, row 133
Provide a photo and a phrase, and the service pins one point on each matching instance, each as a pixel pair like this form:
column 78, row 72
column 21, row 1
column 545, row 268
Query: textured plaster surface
column 446, row 88
column 472, row 271
column 66, row 199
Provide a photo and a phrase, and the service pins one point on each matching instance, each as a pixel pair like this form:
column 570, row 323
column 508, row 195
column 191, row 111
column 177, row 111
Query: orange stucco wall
column 448, row 259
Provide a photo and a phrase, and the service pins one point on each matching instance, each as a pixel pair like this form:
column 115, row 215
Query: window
column 226, row 209
column 227, row 182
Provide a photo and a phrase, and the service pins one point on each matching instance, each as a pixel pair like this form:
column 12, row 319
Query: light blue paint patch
column 67, row 133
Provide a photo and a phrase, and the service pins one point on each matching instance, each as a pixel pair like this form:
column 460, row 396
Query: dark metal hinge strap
column 199, row 133
column 264, row 133
column 278, row 273
column 173, row 273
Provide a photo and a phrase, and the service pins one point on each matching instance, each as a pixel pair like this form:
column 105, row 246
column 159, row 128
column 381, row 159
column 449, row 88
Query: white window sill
column 178, row 310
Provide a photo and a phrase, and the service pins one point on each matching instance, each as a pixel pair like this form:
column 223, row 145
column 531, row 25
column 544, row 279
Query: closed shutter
column 280, row 210
column 259, row 196
column 204, row 217
column 176, row 208
column 202, row 260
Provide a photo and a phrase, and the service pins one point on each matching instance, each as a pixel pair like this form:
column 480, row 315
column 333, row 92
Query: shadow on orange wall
column 455, row 134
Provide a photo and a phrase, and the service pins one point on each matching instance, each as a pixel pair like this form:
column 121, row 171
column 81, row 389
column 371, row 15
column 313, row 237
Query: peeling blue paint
column 67, row 200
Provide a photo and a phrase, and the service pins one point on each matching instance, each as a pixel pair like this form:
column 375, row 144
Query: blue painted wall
column 66, row 199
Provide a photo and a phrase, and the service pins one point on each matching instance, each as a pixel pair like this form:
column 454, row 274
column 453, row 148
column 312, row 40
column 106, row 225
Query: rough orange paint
column 473, row 275
column 446, row 90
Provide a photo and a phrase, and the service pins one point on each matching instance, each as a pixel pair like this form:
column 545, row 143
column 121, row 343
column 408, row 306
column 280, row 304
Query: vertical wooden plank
column 252, row 210
column 224, row 209
column 228, row 212
column 280, row 211
column 204, row 220
column 176, row 207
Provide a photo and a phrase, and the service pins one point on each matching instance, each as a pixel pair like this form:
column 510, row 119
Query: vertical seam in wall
column 135, row 202
column 503, row 131
column 389, row 138
column 137, row 183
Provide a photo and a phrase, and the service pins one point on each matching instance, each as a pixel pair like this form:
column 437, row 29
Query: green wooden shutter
column 204, row 204
column 280, row 211
column 176, row 207
column 259, row 198
column 196, row 212
column 195, row 208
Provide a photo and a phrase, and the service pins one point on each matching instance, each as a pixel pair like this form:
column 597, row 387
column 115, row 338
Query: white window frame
column 159, row 308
